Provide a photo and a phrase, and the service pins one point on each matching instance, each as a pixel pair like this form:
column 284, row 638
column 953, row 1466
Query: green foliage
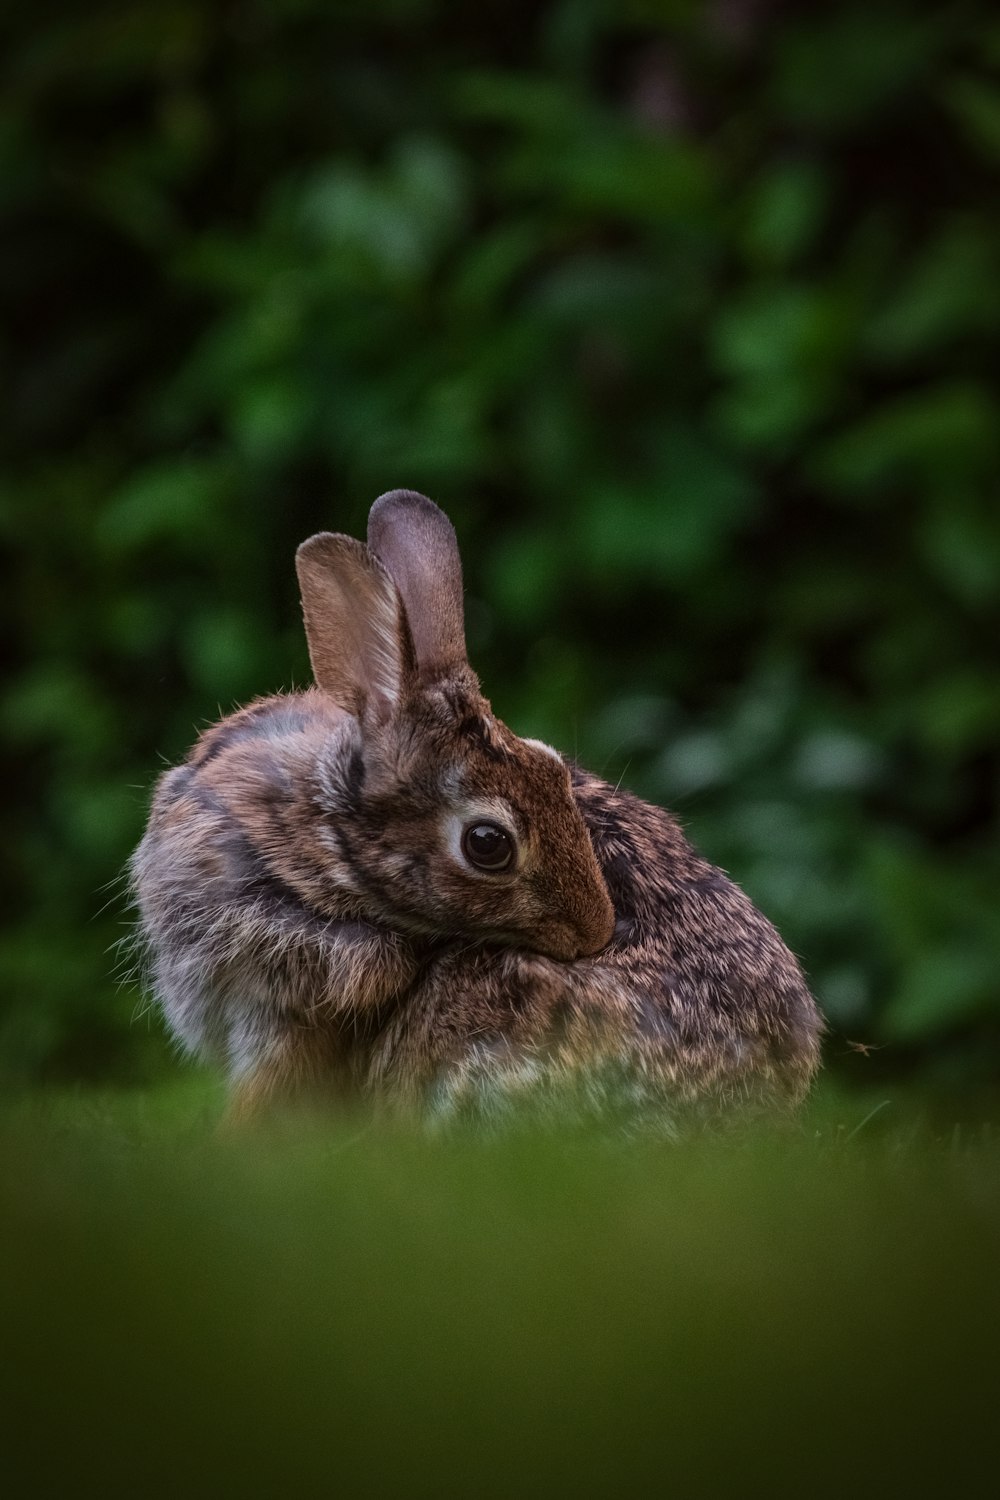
column 687, row 314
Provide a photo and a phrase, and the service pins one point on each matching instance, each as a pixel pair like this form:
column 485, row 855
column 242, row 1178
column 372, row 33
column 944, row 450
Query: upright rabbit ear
column 359, row 644
column 417, row 543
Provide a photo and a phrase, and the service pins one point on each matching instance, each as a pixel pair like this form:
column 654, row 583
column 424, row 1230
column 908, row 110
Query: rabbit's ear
column 359, row 644
column 417, row 543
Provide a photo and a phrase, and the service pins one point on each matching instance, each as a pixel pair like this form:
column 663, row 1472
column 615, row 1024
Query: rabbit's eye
column 487, row 846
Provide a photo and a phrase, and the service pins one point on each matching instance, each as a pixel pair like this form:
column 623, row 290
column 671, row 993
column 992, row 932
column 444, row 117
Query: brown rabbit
column 375, row 886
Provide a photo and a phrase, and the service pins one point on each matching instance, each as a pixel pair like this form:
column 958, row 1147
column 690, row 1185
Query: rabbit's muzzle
column 589, row 934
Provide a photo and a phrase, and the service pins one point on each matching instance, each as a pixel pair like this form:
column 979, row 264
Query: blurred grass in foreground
column 340, row 1308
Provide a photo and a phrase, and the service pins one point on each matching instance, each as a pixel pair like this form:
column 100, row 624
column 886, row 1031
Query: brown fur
column 311, row 917
column 694, row 1012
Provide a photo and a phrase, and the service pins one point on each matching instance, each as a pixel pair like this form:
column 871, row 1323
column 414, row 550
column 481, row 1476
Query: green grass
column 337, row 1308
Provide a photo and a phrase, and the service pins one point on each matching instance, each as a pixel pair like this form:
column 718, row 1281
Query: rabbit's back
column 706, row 967
column 696, row 1009
column 232, row 880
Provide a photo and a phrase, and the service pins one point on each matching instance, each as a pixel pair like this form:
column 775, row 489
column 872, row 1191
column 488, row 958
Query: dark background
column 687, row 314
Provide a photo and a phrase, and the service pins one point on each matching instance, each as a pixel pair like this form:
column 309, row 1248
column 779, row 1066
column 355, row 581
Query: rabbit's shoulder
column 235, row 843
column 237, row 818
column 266, row 743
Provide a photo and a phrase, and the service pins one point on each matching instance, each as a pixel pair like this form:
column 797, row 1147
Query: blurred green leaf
column 836, row 69
column 221, row 649
column 934, row 439
column 952, row 986
column 396, row 221
column 976, row 105
column 961, row 546
column 961, row 712
column 175, row 502
column 784, row 211
column 951, row 290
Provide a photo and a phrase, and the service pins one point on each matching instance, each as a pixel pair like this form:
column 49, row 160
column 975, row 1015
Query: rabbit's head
column 446, row 822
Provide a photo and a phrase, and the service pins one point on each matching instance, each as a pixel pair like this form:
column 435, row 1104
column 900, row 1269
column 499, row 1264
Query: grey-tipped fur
column 311, row 919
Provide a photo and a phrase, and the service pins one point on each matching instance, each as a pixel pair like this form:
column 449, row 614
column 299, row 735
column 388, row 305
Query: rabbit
column 315, row 848
column 375, row 890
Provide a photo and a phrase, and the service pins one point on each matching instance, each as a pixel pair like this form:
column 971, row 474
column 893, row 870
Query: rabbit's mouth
column 561, row 943
column 566, row 944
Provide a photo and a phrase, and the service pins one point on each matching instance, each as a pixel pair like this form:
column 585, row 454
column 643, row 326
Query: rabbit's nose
column 598, row 928
column 562, row 942
column 585, row 949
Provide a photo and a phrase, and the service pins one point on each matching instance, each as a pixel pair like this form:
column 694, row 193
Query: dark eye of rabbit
column 487, row 847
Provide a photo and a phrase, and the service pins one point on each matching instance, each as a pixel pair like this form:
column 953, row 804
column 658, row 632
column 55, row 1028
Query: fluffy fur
column 695, row 1012
column 312, row 920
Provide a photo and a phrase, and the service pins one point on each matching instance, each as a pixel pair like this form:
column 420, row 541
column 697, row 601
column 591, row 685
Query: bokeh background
column 686, row 313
